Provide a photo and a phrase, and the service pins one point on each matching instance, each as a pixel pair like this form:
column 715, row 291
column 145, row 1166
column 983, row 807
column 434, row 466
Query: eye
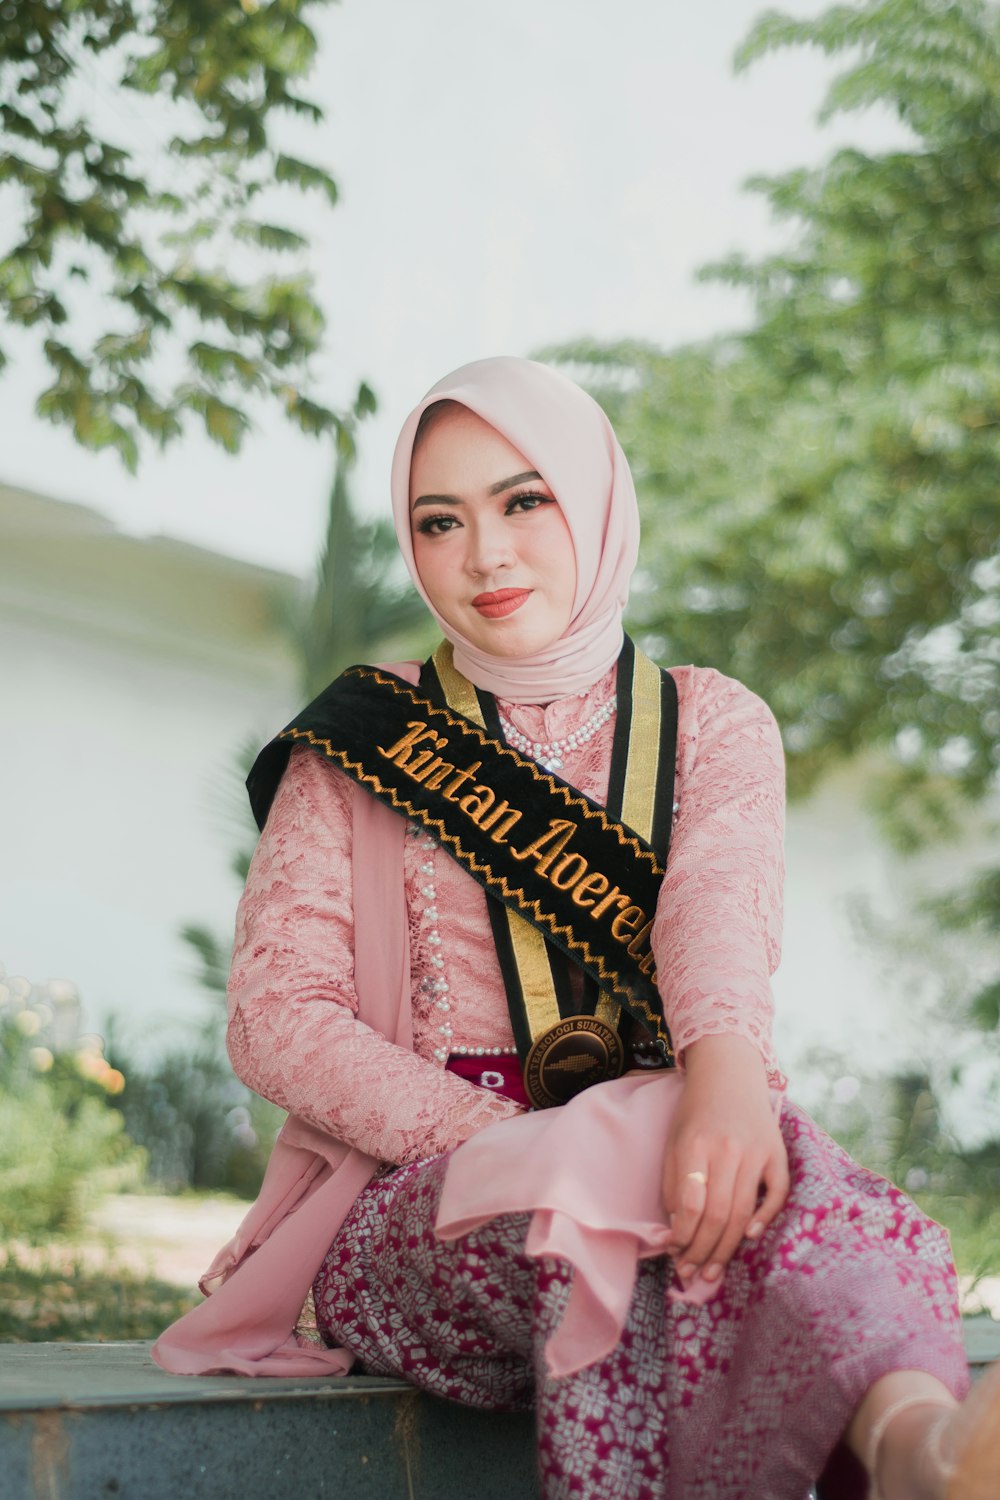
column 436, row 525
column 530, row 500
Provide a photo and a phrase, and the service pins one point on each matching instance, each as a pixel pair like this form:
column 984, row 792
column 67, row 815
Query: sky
column 511, row 178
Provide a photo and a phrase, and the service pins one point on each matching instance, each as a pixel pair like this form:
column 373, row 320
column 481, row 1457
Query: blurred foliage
column 821, row 494
column 198, row 1126
column 896, row 1127
column 363, row 606
column 61, row 1140
column 940, row 955
column 151, row 202
column 60, row 1297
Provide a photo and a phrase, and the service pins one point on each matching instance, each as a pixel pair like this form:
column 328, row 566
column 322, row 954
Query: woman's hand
column 724, row 1149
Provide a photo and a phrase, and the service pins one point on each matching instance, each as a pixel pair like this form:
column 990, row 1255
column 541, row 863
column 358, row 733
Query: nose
column 489, row 548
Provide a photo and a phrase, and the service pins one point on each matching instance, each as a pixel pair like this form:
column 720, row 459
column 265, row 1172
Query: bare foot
column 968, row 1443
column 934, row 1452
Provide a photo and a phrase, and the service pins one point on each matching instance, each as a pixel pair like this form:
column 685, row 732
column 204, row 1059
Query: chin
column 509, row 646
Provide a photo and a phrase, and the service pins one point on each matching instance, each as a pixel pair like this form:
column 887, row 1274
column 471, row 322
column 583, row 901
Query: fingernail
column 755, row 1231
column 713, row 1272
column 686, row 1271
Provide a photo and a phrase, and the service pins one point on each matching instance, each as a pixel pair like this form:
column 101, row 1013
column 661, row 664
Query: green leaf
column 269, row 236
column 222, row 364
column 985, row 1007
column 224, row 424
column 365, row 401
column 310, row 416
column 118, row 349
column 303, row 175
column 231, row 69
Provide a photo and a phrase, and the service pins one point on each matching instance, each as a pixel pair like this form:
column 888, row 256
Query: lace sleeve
column 717, row 931
column 293, row 1031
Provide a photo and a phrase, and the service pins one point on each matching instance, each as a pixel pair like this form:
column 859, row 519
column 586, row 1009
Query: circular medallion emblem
column 570, row 1057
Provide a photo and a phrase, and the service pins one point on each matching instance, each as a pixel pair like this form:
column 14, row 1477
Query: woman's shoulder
column 313, row 785
column 705, row 689
column 720, row 718
column 409, row 671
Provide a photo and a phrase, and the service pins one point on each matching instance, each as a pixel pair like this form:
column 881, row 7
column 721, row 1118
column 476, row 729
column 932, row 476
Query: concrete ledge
column 102, row 1422
column 982, row 1342
column 89, row 1421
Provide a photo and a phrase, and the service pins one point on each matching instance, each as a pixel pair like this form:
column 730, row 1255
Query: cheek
column 561, row 555
column 432, row 569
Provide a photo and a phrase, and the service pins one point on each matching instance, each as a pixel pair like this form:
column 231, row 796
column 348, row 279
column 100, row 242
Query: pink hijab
column 567, row 438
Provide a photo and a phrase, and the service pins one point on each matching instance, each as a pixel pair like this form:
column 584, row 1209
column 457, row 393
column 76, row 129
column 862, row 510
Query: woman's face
column 490, row 542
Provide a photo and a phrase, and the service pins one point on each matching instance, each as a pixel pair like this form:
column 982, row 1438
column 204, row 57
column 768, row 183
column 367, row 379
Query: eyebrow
column 494, row 489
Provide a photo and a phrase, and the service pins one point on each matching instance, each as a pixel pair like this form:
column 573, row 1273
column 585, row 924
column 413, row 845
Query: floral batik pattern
column 742, row 1399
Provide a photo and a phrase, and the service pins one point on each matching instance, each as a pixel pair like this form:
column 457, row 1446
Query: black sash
column 584, row 881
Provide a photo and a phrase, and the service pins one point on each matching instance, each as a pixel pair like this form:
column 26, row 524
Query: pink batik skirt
column 740, row 1393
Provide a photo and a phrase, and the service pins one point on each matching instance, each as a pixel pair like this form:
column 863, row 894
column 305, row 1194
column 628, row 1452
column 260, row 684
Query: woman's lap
column 746, row 1395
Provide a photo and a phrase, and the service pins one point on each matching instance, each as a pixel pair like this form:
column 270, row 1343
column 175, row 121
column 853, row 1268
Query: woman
column 700, row 1294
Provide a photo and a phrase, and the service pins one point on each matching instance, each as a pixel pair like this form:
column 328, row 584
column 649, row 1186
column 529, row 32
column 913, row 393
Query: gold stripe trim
column 541, row 1007
column 458, row 690
column 639, row 800
column 607, row 1009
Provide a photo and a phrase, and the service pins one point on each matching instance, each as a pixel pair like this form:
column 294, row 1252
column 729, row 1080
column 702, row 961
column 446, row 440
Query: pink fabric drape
column 259, row 1281
column 588, row 1174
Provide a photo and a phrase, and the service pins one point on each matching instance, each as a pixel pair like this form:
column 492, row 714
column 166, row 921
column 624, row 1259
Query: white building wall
column 119, row 756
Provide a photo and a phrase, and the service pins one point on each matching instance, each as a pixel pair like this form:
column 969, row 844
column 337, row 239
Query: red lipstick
column 502, row 602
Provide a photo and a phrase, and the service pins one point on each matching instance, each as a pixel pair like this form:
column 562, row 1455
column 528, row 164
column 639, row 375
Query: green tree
column 822, row 493
column 363, row 606
column 174, row 251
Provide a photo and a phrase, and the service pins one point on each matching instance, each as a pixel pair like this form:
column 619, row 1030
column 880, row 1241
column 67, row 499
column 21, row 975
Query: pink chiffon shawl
column 258, row 1282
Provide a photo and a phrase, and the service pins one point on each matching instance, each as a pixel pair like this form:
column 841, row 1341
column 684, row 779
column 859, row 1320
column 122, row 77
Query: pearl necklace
column 550, row 756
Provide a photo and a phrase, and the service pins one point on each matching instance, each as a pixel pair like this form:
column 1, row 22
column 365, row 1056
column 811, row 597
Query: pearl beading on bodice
column 550, row 755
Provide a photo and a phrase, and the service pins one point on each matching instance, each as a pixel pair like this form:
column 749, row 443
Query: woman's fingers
column 747, row 1219
column 716, row 1257
column 686, row 1201
column 776, row 1183
column 714, row 1215
column 722, row 1199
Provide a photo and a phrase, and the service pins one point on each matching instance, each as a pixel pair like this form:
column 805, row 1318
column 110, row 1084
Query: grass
column 58, row 1297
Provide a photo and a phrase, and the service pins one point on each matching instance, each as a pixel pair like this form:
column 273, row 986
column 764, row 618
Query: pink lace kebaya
column 294, row 1034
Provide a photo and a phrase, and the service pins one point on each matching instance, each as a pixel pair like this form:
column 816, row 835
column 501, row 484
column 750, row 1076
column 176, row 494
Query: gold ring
column 698, row 1177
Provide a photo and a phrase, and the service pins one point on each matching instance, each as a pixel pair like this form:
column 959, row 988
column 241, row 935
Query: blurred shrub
column 895, row 1126
column 198, row 1125
column 60, row 1138
column 78, row 1115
